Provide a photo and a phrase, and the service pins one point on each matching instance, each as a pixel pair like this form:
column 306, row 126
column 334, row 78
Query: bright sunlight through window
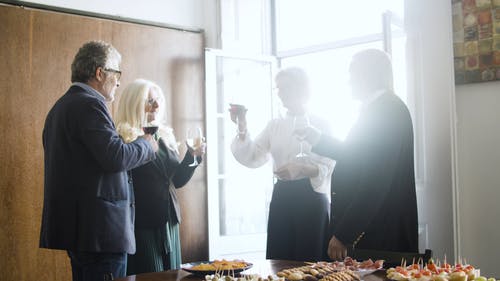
column 321, row 36
column 357, row 25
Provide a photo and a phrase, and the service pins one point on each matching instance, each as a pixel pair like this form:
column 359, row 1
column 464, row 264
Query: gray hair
column 296, row 80
column 90, row 56
column 375, row 68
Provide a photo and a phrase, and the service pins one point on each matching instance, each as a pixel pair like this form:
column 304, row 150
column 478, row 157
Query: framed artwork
column 476, row 40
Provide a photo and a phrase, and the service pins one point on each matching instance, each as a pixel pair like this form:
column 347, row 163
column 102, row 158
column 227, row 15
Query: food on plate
column 247, row 277
column 458, row 276
column 344, row 275
column 347, row 270
column 220, row 265
column 432, row 271
column 307, row 274
column 349, row 263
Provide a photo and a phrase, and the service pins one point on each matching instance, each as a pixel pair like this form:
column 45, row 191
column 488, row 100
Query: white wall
column 473, row 156
column 478, row 111
column 471, row 113
column 195, row 14
column 430, row 53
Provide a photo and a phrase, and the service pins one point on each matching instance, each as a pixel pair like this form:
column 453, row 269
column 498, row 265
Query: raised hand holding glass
column 194, row 139
column 149, row 124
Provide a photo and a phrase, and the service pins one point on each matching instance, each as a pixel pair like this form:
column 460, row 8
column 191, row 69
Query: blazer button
column 130, row 181
column 132, row 204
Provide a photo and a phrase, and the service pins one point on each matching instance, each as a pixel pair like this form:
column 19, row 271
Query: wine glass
column 236, row 111
column 194, row 139
column 300, row 125
column 149, row 124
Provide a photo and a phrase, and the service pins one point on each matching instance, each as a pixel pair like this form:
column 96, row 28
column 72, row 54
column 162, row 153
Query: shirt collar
column 90, row 90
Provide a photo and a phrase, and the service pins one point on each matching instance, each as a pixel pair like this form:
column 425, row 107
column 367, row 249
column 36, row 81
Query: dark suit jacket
column 88, row 200
column 373, row 181
column 155, row 185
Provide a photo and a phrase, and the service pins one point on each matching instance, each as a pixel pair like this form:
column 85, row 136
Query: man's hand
column 336, row 249
column 151, row 141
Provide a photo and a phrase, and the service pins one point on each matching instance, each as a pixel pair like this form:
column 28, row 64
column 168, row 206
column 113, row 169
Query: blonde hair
column 130, row 112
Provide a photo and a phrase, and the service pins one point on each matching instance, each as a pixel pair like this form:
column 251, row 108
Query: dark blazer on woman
column 88, row 199
column 374, row 198
column 155, row 185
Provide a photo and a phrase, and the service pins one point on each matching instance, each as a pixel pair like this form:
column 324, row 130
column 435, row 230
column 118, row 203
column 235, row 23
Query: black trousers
column 94, row 266
column 298, row 222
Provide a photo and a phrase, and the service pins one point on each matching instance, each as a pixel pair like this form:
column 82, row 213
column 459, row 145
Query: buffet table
column 263, row 268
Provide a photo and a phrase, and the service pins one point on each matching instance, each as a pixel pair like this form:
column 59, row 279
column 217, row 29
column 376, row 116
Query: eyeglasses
column 117, row 72
column 152, row 101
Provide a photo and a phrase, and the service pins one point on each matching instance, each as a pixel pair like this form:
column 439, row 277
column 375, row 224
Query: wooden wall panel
column 37, row 48
column 188, row 111
column 18, row 194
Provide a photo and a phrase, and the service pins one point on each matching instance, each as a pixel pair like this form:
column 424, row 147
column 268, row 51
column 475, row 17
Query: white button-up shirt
column 278, row 143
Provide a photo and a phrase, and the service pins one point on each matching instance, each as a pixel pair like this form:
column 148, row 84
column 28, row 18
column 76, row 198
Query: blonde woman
column 155, row 183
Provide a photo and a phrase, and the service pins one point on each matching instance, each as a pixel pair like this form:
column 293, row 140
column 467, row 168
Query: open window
column 238, row 197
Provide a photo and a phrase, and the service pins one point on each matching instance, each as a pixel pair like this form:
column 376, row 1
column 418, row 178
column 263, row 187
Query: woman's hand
column 199, row 150
column 296, row 170
column 238, row 113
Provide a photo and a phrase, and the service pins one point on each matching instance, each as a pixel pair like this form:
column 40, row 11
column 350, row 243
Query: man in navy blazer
column 88, row 198
column 374, row 204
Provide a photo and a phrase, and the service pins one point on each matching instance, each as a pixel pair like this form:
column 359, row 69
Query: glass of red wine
column 236, row 111
column 149, row 124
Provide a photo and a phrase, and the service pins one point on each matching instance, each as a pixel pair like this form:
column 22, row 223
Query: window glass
column 329, row 75
column 243, row 203
column 302, row 23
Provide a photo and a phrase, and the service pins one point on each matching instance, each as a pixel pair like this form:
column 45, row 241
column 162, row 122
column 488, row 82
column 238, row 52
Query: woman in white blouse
column 300, row 204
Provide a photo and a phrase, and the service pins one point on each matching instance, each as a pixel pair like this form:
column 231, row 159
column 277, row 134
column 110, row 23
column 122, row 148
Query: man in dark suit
column 88, row 198
column 373, row 185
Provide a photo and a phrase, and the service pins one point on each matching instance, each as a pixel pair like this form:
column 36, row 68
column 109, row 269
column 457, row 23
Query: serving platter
column 191, row 267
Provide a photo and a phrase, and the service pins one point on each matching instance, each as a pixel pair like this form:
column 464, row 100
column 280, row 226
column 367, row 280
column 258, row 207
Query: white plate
column 363, row 272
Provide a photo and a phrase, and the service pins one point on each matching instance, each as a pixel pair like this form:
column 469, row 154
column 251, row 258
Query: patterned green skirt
column 157, row 250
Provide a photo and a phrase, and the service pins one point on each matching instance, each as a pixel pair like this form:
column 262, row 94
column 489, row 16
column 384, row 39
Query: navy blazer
column 373, row 181
column 88, row 198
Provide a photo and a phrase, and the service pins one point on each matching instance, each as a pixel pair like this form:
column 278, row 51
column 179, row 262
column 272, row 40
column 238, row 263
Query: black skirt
column 298, row 222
